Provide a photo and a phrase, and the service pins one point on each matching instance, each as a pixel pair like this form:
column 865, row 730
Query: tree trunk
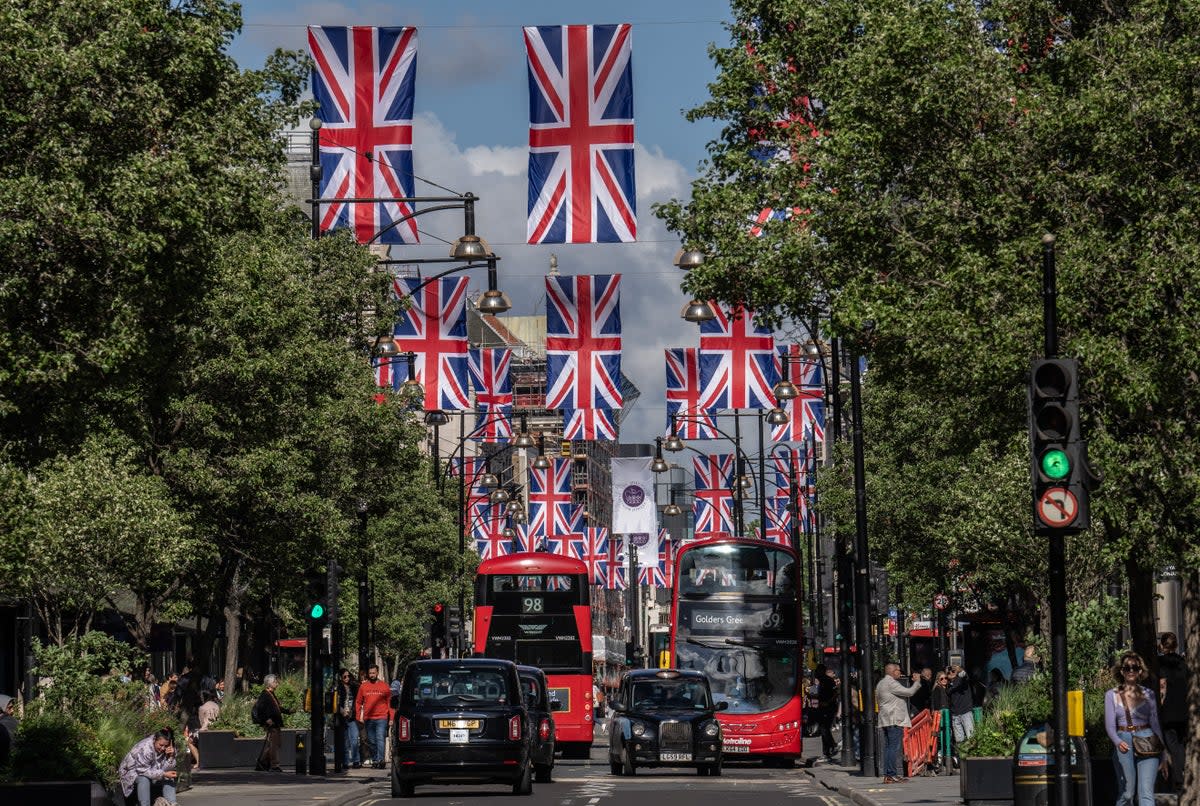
column 1191, row 650
column 1141, row 611
column 233, row 631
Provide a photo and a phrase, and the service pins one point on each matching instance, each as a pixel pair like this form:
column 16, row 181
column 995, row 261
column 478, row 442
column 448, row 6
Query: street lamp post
column 862, row 587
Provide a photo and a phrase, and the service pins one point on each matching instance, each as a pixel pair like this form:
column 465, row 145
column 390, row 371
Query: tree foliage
column 925, row 149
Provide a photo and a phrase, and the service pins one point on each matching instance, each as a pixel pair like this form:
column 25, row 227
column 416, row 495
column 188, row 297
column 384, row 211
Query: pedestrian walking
column 347, row 690
column 268, row 713
column 1172, row 711
column 1131, row 719
column 962, row 704
column 827, row 706
column 209, row 710
column 891, row 696
column 148, row 770
column 371, row 706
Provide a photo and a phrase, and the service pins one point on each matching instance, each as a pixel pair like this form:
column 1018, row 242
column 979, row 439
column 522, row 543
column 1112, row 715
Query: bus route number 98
column 532, row 604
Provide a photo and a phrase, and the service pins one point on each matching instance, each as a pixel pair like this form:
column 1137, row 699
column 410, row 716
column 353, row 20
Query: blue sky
column 471, row 133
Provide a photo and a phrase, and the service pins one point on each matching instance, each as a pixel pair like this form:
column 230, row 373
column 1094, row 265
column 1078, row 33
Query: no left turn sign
column 1057, row 507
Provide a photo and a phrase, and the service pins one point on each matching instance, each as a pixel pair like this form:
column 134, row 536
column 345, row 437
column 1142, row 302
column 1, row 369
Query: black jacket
column 270, row 715
column 961, row 701
column 1173, row 669
column 939, row 698
column 920, row 701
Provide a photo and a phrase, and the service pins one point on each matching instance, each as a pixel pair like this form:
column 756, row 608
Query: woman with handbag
column 1131, row 718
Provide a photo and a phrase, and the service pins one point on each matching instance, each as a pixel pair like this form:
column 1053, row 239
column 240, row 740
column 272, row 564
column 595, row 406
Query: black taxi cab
column 461, row 721
column 664, row 718
column 541, row 721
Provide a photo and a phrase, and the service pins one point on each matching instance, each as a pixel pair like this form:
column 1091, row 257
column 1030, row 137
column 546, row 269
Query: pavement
column 223, row 787
column 934, row 790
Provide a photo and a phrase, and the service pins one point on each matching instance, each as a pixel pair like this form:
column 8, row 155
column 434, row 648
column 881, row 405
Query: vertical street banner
column 738, row 366
column 713, row 505
column 550, row 501
column 590, row 424
column 581, row 178
column 433, row 327
column 363, row 80
column 806, row 411
column 634, row 511
column 490, row 369
column 596, row 554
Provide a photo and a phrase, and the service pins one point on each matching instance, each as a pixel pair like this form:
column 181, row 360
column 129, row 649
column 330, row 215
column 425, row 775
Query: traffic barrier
column 920, row 742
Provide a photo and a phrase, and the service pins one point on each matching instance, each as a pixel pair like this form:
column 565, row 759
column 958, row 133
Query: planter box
column 60, row 793
column 221, row 749
column 986, row 780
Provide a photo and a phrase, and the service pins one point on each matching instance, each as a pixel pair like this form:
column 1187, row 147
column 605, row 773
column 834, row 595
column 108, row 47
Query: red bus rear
column 736, row 618
column 535, row 609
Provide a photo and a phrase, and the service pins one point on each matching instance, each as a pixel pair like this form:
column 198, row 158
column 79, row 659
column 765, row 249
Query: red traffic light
column 437, row 608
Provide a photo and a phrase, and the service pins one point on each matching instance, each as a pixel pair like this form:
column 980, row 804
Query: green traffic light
column 317, row 611
column 1055, row 464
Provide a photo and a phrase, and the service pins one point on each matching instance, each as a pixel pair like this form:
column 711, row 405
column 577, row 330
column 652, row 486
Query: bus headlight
column 639, row 729
column 711, row 729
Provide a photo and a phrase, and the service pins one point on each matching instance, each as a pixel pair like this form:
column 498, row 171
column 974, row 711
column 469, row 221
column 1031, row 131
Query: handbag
column 1143, row 746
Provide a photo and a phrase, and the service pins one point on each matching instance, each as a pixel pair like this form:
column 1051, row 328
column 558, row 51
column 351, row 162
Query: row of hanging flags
column 581, row 167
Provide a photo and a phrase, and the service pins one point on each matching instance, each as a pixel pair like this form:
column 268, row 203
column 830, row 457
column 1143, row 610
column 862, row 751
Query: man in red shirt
column 371, row 707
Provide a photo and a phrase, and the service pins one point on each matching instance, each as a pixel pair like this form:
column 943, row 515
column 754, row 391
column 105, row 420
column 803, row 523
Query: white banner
column 647, row 548
column 633, row 511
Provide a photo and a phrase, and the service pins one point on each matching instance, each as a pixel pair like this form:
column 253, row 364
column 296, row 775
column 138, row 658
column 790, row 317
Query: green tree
column 926, row 150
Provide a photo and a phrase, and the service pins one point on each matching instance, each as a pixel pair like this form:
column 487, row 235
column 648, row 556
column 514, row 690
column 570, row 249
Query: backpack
column 255, row 714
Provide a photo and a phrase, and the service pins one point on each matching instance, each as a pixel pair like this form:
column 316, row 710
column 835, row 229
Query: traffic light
column 437, row 628
column 316, row 598
column 1061, row 478
column 453, row 620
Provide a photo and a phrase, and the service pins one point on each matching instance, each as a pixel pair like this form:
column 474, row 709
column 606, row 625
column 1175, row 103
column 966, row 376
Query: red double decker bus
column 535, row 609
column 736, row 618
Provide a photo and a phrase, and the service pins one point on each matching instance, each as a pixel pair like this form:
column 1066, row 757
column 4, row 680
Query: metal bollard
column 301, row 756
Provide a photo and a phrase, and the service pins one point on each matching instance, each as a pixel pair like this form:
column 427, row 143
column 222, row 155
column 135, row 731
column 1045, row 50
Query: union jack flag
column 363, row 81
column 738, row 367
column 490, row 370
column 583, row 342
column 713, row 496
column 434, row 327
column 772, row 214
column 684, row 398
column 471, row 470
column 618, row 564
column 660, row 574
column 806, row 411
column 797, row 460
column 487, row 526
column 572, row 543
column 595, row 554
column 581, row 185
column 591, row 424
column 550, row 500
column 778, row 522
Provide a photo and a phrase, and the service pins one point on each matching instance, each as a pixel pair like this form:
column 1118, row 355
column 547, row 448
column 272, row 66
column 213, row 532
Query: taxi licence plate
column 735, row 748
column 674, row 756
column 460, row 736
column 470, row 724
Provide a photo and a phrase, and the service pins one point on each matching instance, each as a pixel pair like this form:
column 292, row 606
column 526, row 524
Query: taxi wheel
column 715, row 770
column 702, row 770
column 541, row 773
column 627, row 767
column 402, row 789
column 614, row 767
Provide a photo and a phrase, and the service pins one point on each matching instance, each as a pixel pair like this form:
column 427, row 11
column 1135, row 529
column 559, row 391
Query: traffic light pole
column 1057, row 559
column 316, row 686
column 862, row 580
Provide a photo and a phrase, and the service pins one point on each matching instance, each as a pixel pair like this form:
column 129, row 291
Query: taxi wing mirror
column 721, row 706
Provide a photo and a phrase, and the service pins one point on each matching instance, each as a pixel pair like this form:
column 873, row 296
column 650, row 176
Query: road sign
column 1057, row 507
column 941, row 601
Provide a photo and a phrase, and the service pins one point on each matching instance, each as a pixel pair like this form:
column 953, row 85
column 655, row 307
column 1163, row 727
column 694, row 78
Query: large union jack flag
column 583, row 342
column 581, row 186
column 595, row 554
column 685, row 401
column 591, row 424
column 713, row 494
column 661, row 573
column 490, row 369
column 550, row 500
column 738, row 368
column 618, row 564
column 806, row 411
column 778, row 522
column 363, row 81
column 434, row 328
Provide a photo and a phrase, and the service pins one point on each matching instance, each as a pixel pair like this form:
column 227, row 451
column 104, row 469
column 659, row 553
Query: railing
column 921, row 741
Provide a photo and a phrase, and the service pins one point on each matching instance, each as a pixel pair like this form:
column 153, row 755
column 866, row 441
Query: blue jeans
column 1134, row 775
column 145, row 790
column 352, row 754
column 376, row 734
column 892, row 737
